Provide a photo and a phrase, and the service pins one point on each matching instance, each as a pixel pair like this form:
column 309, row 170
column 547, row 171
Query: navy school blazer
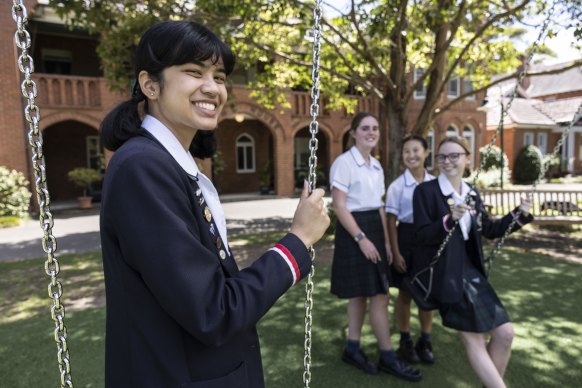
column 430, row 208
column 177, row 314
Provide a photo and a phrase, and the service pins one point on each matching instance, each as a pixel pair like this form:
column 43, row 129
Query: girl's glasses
column 453, row 157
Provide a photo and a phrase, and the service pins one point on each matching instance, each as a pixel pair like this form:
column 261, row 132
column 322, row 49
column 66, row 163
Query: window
column 528, row 138
column 468, row 88
column 430, row 143
column 94, row 154
column 452, row 131
column 245, row 154
column 453, row 88
column 469, row 135
column 302, row 153
column 543, row 142
column 420, row 91
column 57, row 61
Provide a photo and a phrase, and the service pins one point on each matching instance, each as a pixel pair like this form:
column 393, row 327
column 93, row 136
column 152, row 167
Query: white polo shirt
column 187, row 162
column 363, row 183
column 399, row 196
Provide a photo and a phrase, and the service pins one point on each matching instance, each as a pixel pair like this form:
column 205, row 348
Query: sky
column 561, row 44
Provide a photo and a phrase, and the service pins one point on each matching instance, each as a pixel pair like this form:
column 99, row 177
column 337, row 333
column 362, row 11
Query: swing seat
column 564, row 207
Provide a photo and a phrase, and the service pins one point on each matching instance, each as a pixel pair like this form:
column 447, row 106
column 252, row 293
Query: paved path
column 77, row 231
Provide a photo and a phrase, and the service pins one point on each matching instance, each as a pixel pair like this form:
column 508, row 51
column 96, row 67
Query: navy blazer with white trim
column 177, row 314
column 430, row 208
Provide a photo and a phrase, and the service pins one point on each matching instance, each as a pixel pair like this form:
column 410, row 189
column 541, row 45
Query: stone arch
column 256, row 112
column 69, row 144
column 301, row 140
column 54, row 118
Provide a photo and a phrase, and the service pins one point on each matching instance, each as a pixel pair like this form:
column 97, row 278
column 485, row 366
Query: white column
column 570, row 153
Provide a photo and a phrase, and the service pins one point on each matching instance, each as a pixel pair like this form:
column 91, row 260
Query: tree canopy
column 369, row 47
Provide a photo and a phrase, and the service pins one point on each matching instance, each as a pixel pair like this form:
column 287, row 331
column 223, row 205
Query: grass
column 542, row 296
column 9, row 221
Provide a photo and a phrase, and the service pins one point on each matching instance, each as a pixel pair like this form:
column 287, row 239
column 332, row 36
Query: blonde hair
column 457, row 140
column 461, row 141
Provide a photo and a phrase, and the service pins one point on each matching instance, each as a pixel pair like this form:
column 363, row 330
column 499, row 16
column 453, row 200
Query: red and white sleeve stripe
column 289, row 259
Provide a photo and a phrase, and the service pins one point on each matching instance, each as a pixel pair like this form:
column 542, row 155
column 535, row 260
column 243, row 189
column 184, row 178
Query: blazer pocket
column 235, row 379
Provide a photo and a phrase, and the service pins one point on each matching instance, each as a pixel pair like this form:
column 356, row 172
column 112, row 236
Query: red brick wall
column 228, row 180
column 13, row 146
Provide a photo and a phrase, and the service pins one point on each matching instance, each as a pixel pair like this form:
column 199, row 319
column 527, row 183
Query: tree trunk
column 396, row 129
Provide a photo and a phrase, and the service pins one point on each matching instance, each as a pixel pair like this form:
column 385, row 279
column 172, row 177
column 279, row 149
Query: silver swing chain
column 49, row 242
column 312, row 180
column 488, row 150
column 533, row 188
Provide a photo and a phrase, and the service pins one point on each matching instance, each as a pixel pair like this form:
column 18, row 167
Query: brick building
column 540, row 113
column 254, row 143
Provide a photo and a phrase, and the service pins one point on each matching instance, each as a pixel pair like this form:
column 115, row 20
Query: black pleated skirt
column 479, row 310
column 406, row 246
column 352, row 275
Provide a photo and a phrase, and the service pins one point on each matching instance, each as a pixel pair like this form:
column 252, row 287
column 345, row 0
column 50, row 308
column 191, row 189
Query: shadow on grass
column 29, row 355
column 541, row 296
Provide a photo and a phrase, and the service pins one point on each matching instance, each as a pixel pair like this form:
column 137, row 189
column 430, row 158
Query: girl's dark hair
column 411, row 137
column 356, row 123
column 358, row 119
column 165, row 44
column 204, row 144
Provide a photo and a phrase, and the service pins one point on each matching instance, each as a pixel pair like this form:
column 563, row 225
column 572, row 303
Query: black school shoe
column 400, row 369
column 407, row 352
column 424, row 351
column 359, row 360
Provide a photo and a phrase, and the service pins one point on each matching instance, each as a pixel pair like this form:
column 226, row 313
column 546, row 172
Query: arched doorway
column 244, row 161
column 67, row 145
column 301, row 157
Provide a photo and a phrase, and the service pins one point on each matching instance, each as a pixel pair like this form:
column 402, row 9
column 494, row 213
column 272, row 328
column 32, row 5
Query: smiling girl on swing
column 179, row 311
column 467, row 302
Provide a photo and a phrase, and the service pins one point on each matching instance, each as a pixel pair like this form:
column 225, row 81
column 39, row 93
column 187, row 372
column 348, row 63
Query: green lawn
column 540, row 294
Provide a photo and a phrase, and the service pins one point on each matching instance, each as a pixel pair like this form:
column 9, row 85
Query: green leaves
column 14, row 193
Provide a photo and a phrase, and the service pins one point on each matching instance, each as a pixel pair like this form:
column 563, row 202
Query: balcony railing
column 62, row 91
column 301, row 105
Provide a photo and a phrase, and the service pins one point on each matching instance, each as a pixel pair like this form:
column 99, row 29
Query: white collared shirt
column 399, row 196
column 448, row 190
column 363, row 183
column 187, row 162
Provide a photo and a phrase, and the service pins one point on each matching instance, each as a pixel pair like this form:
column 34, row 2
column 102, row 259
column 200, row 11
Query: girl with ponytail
column 179, row 311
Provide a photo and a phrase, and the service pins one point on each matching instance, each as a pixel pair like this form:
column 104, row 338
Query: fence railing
column 549, row 206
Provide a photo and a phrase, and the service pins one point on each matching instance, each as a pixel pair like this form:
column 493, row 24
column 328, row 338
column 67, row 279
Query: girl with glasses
column 467, row 302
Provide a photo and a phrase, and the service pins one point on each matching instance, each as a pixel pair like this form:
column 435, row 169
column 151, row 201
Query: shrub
column 490, row 174
column 490, row 178
column 493, row 159
column 528, row 165
column 83, row 177
column 14, row 193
